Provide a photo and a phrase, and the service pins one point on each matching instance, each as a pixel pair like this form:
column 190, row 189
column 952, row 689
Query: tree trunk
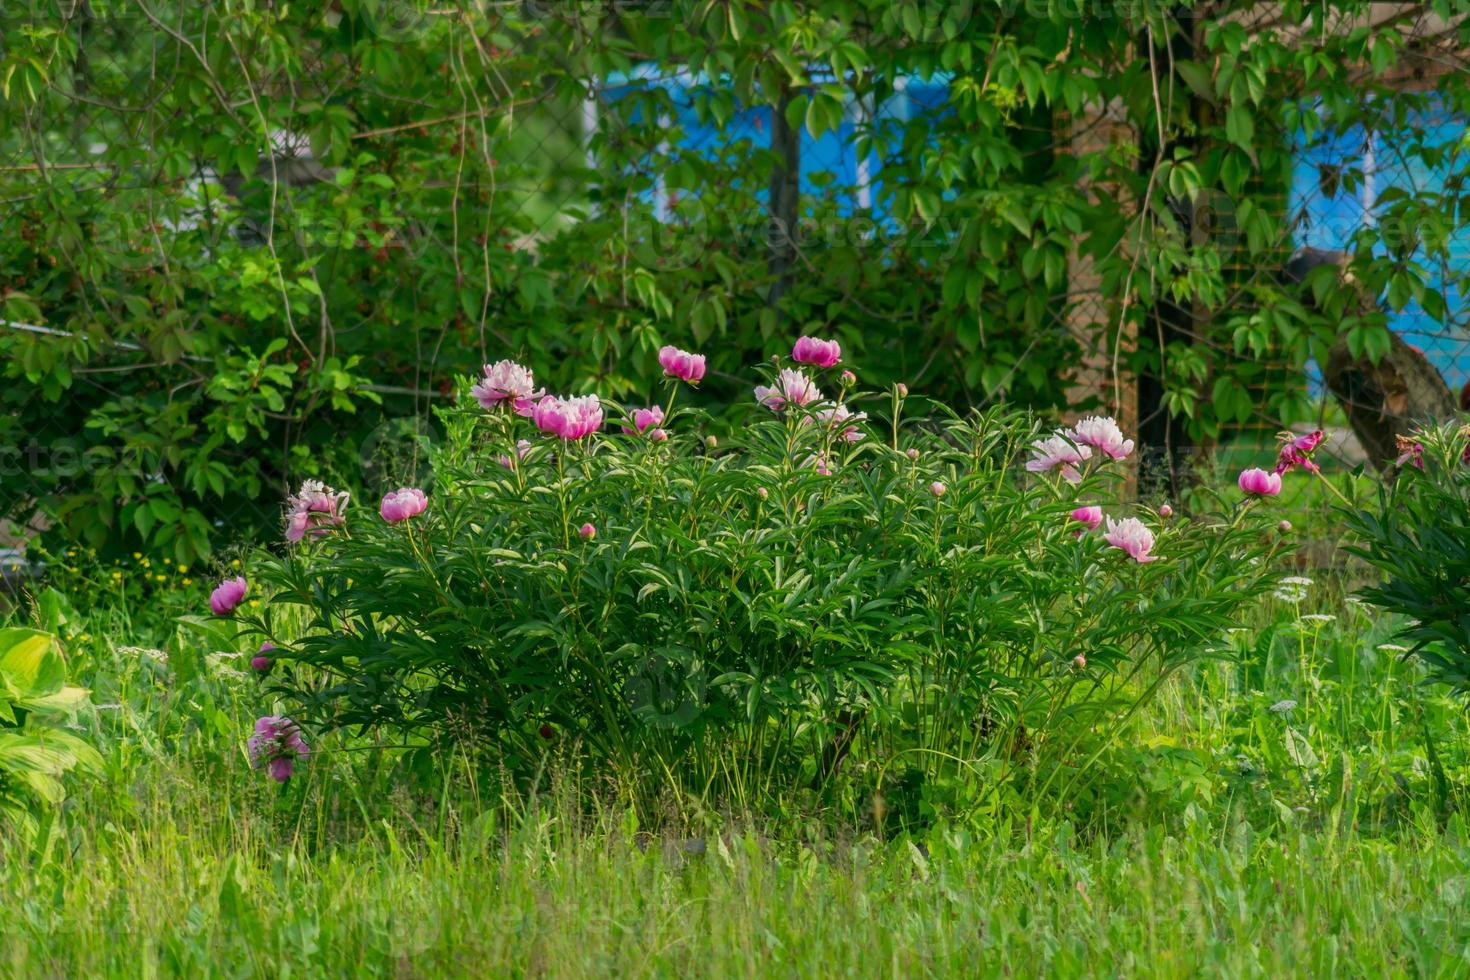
column 1387, row 399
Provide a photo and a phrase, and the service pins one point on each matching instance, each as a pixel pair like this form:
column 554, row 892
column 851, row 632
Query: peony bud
column 1284, row 526
column 902, row 389
column 710, row 442
column 1080, row 660
column 937, row 488
column 1166, row 511
column 912, row 454
column 587, row 531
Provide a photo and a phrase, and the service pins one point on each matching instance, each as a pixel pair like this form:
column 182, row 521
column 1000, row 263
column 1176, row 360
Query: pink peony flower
column 645, row 418
column 587, row 531
column 840, row 418
column 260, row 662
column 813, row 350
column 402, row 504
column 1258, row 483
column 1132, row 536
column 1298, row 452
column 819, row 463
column 1057, row 451
column 681, row 364
column 276, row 745
column 523, row 446
column 938, row 489
column 568, row 418
column 792, row 387
column 227, row 595
column 315, row 510
column 507, row 381
column 1101, row 433
column 1090, row 517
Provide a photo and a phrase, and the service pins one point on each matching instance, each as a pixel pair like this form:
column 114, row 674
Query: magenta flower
column 587, row 531
column 1101, row 433
column 315, row 510
column 227, row 595
column 568, row 418
column 402, row 504
column 1090, row 517
column 814, row 350
column 507, row 381
column 681, row 364
column 276, row 745
column 645, row 418
column 1057, row 451
column 938, row 489
column 261, row 663
column 1411, row 452
column 1132, row 536
column 1258, row 483
column 792, row 387
column 523, row 446
column 1298, row 452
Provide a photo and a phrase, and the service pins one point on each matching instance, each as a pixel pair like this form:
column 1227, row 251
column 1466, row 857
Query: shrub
column 740, row 617
column 34, row 753
column 1419, row 537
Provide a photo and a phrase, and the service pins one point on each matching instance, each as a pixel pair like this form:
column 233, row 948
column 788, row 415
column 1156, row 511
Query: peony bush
column 1419, row 537
column 842, row 591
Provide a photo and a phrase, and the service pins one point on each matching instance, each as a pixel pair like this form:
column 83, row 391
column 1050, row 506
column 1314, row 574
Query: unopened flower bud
column 1080, row 661
column 912, row 454
column 902, row 389
column 762, row 493
column 848, row 379
column 1166, row 511
column 587, row 531
column 1284, row 526
column 710, row 442
column 937, row 488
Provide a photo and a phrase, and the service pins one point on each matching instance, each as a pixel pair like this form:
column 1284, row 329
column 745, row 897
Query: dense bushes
column 227, row 256
column 1419, row 537
column 740, row 615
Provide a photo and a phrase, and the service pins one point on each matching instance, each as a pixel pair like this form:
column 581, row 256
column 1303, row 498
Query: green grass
column 195, row 885
column 1275, row 812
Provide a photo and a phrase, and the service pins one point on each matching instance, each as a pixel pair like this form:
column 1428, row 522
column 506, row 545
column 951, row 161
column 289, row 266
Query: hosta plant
column 35, row 752
column 1419, row 537
column 838, row 590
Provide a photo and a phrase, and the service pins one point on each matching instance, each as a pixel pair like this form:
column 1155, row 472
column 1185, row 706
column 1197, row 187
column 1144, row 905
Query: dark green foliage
column 222, row 309
column 1419, row 537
